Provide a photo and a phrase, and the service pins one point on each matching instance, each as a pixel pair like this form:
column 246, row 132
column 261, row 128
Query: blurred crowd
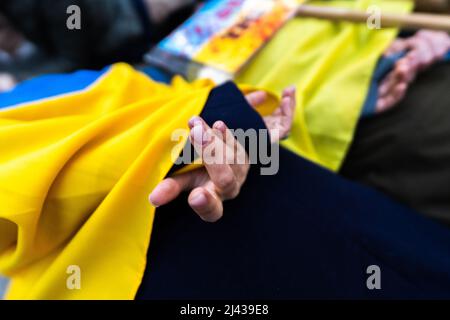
column 32, row 41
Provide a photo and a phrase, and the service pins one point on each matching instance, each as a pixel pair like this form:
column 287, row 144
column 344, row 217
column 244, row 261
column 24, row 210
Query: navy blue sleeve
column 228, row 104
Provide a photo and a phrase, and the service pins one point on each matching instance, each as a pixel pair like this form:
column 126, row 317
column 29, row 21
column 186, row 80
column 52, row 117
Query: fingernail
column 290, row 90
column 151, row 201
column 199, row 200
column 199, row 135
column 194, row 121
column 219, row 125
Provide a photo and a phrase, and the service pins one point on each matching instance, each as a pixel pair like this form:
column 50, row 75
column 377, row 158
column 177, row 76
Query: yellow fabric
column 75, row 174
column 331, row 64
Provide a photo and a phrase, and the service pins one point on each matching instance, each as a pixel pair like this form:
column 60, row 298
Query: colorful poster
column 225, row 34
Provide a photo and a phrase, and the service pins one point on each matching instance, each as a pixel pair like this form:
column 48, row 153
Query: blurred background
column 32, row 41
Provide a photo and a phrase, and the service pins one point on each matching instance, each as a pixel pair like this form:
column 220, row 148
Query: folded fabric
column 76, row 169
column 80, row 154
column 331, row 64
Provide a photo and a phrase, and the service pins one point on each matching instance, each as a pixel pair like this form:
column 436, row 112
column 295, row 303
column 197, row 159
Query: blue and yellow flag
column 331, row 64
column 79, row 156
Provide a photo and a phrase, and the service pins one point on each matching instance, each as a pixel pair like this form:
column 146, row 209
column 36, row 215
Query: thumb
column 170, row 188
column 257, row 98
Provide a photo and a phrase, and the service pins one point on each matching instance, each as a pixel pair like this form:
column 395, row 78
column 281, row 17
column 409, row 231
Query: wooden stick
column 388, row 20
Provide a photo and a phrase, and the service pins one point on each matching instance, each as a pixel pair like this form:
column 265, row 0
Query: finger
column 386, row 84
column 392, row 99
column 280, row 122
column 380, row 106
column 406, row 69
column 236, row 156
column 196, row 120
column 412, row 58
column 290, row 91
column 275, row 126
column 213, row 150
column 288, row 106
column 384, row 104
column 169, row 189
column 219, row 130
column 230, row 158
column 403, row 70
column 229, row 139
column 289, row 102
column 285, row 122
column 232, row 146
column 257, row 98
column 224, row 133
column 207, row 205
column 414, row 53
column 399, row 93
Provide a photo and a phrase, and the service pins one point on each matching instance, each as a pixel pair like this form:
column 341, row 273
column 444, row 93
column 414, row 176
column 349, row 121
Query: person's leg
column 405, row 152
column 303, row 233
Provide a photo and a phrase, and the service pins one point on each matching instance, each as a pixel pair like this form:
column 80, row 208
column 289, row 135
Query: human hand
column 219, row 180
column 423, row 50
column 279, row 123
column 225, row 172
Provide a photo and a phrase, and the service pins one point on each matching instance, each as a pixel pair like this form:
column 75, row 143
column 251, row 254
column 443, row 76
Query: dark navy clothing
column 303, row 233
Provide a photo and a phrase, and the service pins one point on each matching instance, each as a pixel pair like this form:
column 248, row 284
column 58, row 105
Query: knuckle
column 226, row 181
column 169, row 185
column 233, row 194
column 211, row 216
